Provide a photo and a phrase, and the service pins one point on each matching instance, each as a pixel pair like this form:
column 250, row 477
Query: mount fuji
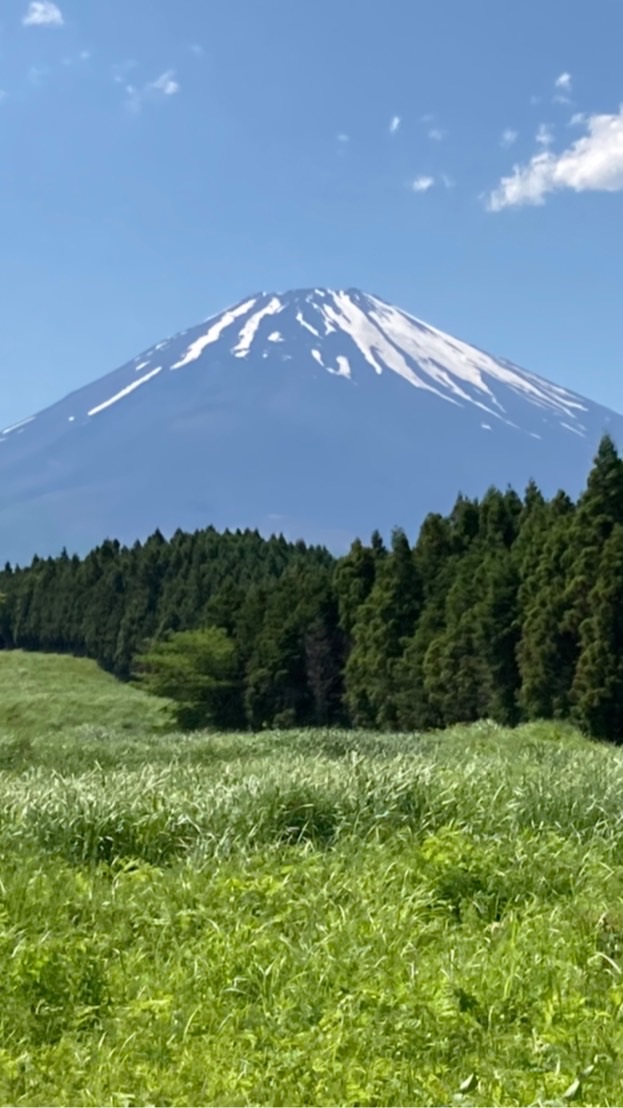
column 317, row 413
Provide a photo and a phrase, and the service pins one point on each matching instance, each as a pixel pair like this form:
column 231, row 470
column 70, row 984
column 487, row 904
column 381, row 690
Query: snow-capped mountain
column 322, row 414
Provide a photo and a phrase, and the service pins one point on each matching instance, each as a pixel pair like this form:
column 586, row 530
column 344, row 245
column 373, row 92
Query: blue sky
column 162, row 159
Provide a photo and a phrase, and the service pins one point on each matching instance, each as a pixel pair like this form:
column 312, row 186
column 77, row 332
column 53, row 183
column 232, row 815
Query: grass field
column 301, row 918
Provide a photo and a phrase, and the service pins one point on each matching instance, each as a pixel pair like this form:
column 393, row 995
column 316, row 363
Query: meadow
column 303, row 917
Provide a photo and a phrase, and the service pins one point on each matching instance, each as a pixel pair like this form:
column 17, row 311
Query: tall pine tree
column 598, row 683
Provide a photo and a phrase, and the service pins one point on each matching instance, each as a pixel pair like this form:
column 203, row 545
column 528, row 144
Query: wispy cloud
column 430, row 121
column 83, row 56
column 343, row 138
column 562, row 85
column 394, row 124
column 426, row 182
column 3, row 95
column 422, row 184
column 577, row 118
column 508, row 138
column 43, row 13
column 544, row 135
column 164, row 85
column 197, row 49
column 592, row 163
column 121, row 69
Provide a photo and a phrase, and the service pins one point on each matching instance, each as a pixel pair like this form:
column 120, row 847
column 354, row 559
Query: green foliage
column 199, row 672
column 491, row 614
column 547, row 651
column 382, row 626
column 598, row 684
column 327, row 917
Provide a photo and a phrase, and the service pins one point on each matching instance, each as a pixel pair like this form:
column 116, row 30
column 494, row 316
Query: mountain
column 322, row 414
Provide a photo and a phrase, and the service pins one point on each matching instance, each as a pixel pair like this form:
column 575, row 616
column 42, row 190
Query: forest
column 510, row 608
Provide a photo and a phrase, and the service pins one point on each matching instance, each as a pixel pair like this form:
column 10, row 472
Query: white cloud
column 592, row 163
column 164, row 85
column 577, row 119
column 395, row 124
column 447, row 181
column 422, row 184
column 197, row 49
column 508, row 138
column 563, row 84
column 343, row 138
column 436, row 134
column 544, row 135
column 43, row 13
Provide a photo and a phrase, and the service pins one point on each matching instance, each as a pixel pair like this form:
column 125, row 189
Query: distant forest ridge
column 509, row 608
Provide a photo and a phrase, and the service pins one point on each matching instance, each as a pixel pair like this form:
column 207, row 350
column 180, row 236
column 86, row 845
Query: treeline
column 509, row 608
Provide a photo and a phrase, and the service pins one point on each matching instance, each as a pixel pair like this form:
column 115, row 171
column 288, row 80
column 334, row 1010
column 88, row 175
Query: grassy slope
column 46, row 693
column 300, row 918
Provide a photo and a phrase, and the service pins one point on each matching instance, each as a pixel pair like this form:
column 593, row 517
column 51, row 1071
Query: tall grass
column 308, row 917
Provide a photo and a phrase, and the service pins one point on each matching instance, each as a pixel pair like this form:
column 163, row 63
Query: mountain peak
column 325, row 413
column 376, row 336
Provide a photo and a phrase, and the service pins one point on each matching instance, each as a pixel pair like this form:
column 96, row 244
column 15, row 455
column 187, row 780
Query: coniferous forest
column 509, row 608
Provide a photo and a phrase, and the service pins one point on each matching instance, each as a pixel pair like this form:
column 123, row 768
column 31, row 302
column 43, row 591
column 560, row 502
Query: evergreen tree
column 497, row 637
column 354, row 579
column 383, row 626
column 456, row 676
column 547, row 650
column 436, row 562
column 599, row 510
column 598, row 683
column 294, row 672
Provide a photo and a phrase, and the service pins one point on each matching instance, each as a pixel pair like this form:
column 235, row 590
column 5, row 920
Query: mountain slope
column 319, row 413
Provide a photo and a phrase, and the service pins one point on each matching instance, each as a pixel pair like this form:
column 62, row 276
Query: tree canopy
column 508, row 608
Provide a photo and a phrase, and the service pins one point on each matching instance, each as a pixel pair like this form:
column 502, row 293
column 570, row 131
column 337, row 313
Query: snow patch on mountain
column 442, row 356
column 17, row 426
column 250, row 328
column 343, row 367
column 308, row 327
column 124, row 392
column 196, row 348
